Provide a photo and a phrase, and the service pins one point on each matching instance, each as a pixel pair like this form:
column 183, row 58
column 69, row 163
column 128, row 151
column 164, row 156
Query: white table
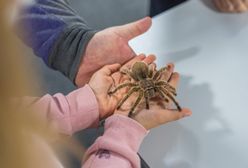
column 210, row 51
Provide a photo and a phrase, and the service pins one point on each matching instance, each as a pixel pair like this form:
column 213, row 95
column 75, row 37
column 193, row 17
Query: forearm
column 118, row 146
column 55, row 33
column 68, row 114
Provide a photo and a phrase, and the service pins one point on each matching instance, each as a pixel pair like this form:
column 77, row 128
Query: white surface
column 210, row 51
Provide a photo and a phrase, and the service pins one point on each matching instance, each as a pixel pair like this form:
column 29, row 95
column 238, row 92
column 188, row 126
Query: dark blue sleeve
column 55, row 33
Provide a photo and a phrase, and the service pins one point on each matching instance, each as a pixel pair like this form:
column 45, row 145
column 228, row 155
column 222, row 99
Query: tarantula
column 148, row 84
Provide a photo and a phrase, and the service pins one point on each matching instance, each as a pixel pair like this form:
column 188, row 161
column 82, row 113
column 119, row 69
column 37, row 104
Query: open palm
column 106, row 78
column 157, row 114
column 110, row 46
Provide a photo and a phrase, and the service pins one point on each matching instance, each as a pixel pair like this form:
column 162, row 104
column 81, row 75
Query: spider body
column 148, row 84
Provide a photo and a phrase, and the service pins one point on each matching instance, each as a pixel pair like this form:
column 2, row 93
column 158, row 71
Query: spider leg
column 141, row 94
column 147, row 101
column 172, row 98
column 168, row 86
column 122, row 86
column 129, row 74
column 158, row 73
column 129, row 93
column 150, row 72
column 162, row 95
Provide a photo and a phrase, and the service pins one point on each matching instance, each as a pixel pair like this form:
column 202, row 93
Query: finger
column 223, row 5
column 173, row 115
column 132, row 61
column 131, row 30
column 218, row 5
column 118, row 77
column 176, row 115
column 229, row 5
column 109, row 69
column 239, row 6
column 153, row 67
column 130, row 53
column 166, row 75
column 140, row 57
column 246, row 3
column 149, row 59
column 174, row 80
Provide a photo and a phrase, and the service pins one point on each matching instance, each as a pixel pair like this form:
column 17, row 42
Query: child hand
column 157, row 114
column 100, row 83
column 105, row 78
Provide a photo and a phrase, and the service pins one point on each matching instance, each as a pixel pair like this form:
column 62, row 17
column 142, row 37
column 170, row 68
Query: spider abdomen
column 148, row 86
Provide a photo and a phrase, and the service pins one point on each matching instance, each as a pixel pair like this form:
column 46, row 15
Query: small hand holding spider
column 105, row 78
column 157, row 114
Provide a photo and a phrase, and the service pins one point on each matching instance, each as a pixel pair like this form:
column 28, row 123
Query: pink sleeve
column 118, row 146
column 76, row 111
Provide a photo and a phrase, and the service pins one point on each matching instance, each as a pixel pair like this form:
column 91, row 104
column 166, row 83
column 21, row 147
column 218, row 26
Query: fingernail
column 187, row 114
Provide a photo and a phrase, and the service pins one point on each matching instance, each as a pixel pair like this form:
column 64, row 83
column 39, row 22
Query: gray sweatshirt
column 55, row 33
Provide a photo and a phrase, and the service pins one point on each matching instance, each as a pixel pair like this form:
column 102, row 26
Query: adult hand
column 110, row 46
column 232, row 6
column 107, row 77
column 157, row 114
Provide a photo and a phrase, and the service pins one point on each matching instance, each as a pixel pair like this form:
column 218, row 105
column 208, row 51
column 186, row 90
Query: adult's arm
column 55, row 33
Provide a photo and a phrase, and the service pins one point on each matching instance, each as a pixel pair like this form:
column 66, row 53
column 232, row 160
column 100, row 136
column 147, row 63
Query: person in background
column 232, row 6
column 159, row 6
column 227, row 6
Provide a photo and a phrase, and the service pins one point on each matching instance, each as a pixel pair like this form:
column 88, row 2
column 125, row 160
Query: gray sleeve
column 56, row 34
column 69, row 49
column 70, row 46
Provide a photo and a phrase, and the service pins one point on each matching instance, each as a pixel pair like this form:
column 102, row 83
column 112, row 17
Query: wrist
column 142, row 122
column 104, row 112
column 83, row 104
column 136, row 118
column 83, row 75
column 122, row 112
column 131, row 132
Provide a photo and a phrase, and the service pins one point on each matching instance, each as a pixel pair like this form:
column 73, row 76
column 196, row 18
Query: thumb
column 134, row 29
column 173, row 115
column 109, row 69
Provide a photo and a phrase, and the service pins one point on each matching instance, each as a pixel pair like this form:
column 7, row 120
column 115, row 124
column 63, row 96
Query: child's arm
column 69, row 114
column 123, row 136
column 118, row 146
column 84, row 107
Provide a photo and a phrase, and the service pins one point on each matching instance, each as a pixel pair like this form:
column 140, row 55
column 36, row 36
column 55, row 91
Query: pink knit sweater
column 116, row 148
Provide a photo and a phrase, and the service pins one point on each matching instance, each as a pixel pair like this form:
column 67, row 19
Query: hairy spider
column 148, row 84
